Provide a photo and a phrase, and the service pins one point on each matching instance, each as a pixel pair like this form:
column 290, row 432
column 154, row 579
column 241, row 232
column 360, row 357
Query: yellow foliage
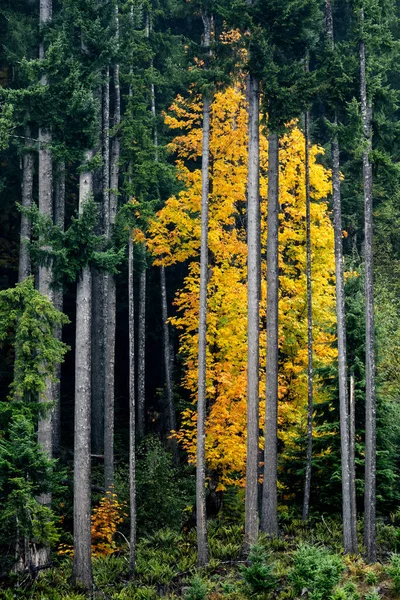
column 105, row 519
column 174, row 236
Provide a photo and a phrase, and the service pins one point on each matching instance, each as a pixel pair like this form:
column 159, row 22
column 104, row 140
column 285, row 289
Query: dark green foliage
column 71, row 250
column 394, row 572
column 317, row 570
column 27, row 321
column 197, row 590
column 165, row 495
column 259, row 573
column 25, row 473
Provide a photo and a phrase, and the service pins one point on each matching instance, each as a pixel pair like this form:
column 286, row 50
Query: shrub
column 394, row 572
column 347, row 592
column 197, row 590
column 259, row 574
column 316, row 570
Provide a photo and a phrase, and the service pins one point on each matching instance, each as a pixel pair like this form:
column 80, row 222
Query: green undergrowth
column 305, row 561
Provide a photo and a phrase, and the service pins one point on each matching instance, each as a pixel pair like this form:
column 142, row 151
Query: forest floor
column 304, row 562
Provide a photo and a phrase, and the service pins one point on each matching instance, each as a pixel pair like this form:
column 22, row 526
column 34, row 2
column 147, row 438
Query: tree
column 310, row 371
column 253, row 302
column 132, row 415
column 349, row 519
column 201, row 519
column 82, row 570
column 370, row 391
column 26, row 472
column 45, row 426
column 174, row 237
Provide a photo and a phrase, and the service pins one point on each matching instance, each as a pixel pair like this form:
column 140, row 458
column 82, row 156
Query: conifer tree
column 349, row 519
column 201, row 518
column 253, row 302
column 82, row 571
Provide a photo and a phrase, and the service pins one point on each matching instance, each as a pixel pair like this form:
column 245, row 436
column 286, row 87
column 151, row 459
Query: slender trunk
column 310, row 373
column 98, row 306
column 59, row 219
column 24, row 269
column 142, row 350
column 109, row 396
column 352, row 446
column 269, row 518
column 45, row 424
column 370, row 394
column 349, row 522
column 168, row 362
column 82, row 567
column 108, row 420
column 201, row 516
column 132, row 415
column 253, row 304
column 98, row 364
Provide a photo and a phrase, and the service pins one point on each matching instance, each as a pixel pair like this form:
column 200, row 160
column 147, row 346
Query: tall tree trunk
column 253, row 304
column 310, row 373
column 45, row 424
column 370, row 394
column 111, row 286
column 24, row 269
column 59, row 219
column 132, row 415
column 168, row 362
column 82, row 567
column 142, row 348
column 349, row 523
column 352, row 446
column 201, row 516
column 269, row 518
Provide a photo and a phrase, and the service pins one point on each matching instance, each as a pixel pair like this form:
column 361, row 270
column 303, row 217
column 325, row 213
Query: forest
column 199, row 299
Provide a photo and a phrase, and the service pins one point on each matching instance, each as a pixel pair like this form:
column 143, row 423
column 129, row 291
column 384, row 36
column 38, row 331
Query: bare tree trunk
column 24, row 269
column 253, row 304
column 82, row 567
column 352, row 447
column 45, row 424
column 59, row 219
column 370, row 393
column 142, row 349
column 349, row 523
column 269, row 518
column 111, row 287
column 201, row 517
column 132, row 415
column 98, row 364
column 310, row 373
column 168, row 362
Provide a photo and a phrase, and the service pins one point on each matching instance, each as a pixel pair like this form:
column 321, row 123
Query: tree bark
column 310, row 372
column 45, row 424
column 370, row 393
column 352, row 447
column 269, row 519
column 24, row 269
column 253, row 307
column 59, row 219
column 142, row 349
column 132, row 415
column 82, row 566
column 109, row 398
column 201, row 517
column 168, row 363
column 349, row 521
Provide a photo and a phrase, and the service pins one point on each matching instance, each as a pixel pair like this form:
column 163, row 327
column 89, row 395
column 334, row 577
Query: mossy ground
column 166, row 567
